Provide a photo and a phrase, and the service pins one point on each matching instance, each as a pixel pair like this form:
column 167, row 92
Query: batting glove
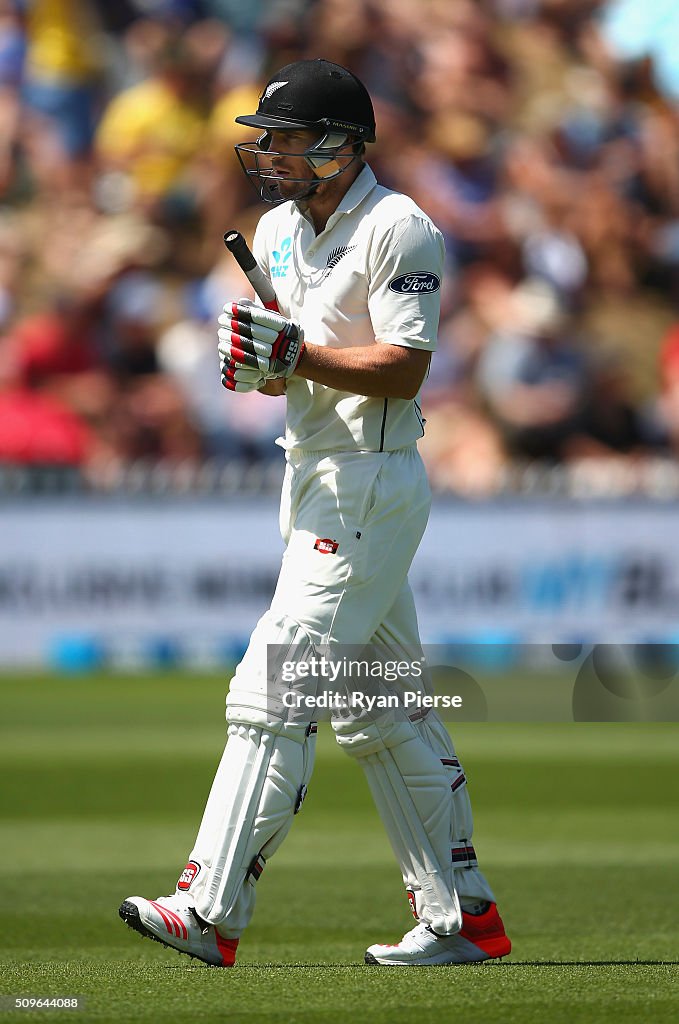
column 237, row 376
column 240, row 378
column 259, row 338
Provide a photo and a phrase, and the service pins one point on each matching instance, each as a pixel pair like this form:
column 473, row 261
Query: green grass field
column 103, row 783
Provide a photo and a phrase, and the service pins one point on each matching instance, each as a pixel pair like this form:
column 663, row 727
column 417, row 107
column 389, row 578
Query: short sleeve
column 404, row 293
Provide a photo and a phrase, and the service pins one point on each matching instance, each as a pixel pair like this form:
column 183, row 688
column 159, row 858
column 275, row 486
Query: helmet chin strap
column 322, row 166
column 330, row 169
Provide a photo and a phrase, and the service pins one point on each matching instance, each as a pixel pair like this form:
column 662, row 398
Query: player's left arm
column 377, row 371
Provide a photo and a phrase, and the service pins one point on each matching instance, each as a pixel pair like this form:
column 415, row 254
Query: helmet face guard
column 256, row 160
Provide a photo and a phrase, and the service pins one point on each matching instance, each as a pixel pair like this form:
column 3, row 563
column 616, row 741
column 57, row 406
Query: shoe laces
column 184, row 906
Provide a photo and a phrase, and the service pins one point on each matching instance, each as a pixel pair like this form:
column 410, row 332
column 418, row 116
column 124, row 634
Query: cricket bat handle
column 239, row 249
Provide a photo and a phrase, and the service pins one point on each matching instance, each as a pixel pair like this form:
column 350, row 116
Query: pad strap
column 460, row 780
column 463, row 855
column 256, row 868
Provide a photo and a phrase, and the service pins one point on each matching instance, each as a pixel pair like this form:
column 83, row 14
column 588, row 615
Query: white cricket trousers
column 352, row 522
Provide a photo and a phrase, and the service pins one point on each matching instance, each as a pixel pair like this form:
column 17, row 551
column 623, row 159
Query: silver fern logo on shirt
column 334, row 257
column 419, row 282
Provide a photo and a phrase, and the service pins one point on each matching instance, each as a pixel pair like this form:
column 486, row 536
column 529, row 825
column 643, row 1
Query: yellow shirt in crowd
column 61, row 36
column 153, row 133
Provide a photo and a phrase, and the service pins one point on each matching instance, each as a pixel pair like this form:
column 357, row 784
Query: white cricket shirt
column 371, row 277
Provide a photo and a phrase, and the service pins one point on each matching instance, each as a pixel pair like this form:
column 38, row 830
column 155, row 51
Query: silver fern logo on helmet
column 271, row 89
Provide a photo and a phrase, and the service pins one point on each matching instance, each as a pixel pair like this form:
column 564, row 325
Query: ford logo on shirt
column 418, row 281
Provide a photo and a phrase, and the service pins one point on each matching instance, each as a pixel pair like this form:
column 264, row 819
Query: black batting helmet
column 315, row 94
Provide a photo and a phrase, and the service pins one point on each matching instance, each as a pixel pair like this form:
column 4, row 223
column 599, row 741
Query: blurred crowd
column 542, row 137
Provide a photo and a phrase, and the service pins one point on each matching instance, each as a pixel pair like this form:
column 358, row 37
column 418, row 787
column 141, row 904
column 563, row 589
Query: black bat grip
column 238, row 247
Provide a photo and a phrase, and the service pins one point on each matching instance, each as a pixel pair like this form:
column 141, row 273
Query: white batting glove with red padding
column 237, row 376
column 240, row 378
column 259, row 338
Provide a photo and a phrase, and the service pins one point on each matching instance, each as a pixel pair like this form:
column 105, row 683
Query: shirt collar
column 364, row 183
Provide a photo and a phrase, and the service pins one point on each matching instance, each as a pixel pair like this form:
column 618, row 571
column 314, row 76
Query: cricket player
column 356, row 270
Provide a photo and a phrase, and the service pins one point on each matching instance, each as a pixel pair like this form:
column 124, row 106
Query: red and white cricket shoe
column 482, row 937
column 174, row 922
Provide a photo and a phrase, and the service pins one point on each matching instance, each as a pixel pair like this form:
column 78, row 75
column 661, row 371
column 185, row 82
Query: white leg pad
column 470, row 882
column 411, row 789
column 259, row 786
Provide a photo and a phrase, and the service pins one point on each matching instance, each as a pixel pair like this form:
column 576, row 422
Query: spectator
column 12, row 57
column 533, row 375
column 61, row 90
column 152, row 131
